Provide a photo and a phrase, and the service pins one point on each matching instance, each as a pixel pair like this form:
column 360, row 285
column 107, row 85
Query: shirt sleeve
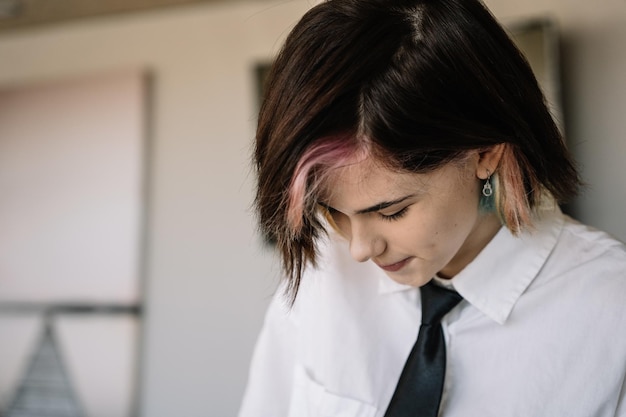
column 270, row 379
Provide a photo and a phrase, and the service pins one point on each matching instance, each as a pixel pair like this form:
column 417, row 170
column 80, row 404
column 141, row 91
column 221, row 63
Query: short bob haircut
column 414, row 84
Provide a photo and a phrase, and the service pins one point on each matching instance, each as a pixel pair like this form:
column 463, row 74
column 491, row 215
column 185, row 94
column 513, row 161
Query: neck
column 485, row 229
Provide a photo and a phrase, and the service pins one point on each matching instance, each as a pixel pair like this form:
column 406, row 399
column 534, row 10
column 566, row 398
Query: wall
column 207, row 277
column 594, row 98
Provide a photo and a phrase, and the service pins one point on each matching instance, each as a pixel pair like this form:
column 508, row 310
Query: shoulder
column 587, row 250
column 586, row 271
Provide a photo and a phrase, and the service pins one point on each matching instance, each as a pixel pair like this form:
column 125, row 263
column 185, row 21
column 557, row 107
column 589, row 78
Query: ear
column 488, row 160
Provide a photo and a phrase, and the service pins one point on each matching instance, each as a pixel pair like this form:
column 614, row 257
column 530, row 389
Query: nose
column 364, row 244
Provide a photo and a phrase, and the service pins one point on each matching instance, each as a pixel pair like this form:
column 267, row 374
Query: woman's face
column 413, row 226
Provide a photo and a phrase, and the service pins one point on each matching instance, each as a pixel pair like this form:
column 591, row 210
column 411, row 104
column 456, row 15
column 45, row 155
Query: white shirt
column 541, row 332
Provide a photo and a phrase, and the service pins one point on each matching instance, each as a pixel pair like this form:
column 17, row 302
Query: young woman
column 404, row 149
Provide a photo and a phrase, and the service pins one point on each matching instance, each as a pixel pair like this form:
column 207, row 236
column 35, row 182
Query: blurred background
column 132, row 279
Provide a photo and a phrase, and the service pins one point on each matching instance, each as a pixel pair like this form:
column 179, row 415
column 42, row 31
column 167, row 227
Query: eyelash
column 395, row 216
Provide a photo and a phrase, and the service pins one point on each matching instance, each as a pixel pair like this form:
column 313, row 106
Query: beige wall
column 594, row 93
column 208, row 279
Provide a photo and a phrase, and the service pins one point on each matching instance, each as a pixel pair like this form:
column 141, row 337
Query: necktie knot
column 437, row 302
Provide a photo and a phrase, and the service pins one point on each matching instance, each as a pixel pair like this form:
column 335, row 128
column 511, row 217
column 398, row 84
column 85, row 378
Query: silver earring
column 487, row 190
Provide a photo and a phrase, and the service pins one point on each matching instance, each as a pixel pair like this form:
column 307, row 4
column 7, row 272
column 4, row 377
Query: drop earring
column 487, row 190
column 487, row 200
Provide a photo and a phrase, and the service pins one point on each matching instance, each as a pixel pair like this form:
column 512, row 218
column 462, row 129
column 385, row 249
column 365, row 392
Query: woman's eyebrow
column 380, row 206
column 383, row 205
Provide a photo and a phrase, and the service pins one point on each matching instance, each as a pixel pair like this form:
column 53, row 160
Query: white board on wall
column 71, row 208
column 70, row 190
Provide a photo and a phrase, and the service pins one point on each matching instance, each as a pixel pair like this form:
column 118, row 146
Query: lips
column 395, row 266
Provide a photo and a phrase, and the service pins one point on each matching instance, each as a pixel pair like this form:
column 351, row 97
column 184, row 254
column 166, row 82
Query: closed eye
column 395, row 216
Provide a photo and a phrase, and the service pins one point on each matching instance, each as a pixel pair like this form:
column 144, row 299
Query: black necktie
column 419, row 389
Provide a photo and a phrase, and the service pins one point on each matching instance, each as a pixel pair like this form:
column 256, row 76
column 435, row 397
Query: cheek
column 461, row 216
column 449, row 224
column 460, row 224
column 426, row 234
column 461, row 206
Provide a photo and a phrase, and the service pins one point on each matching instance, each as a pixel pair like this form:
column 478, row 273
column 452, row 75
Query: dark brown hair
column 414, row 83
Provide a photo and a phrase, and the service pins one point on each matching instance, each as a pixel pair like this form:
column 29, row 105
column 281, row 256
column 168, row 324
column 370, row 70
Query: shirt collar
column 495, row 280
